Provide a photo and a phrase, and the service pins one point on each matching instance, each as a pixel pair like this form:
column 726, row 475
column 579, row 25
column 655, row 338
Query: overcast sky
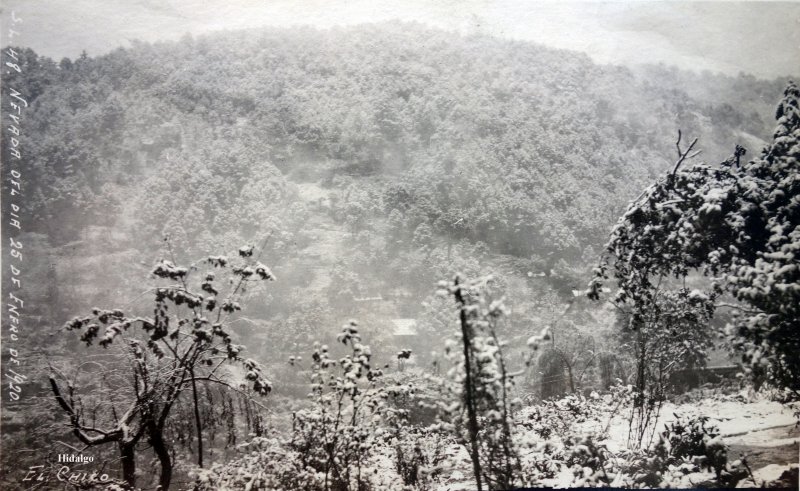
column 762, row 38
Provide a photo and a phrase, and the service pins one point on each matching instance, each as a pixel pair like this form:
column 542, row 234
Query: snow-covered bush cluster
column 581, row 453
column 351, row 412
column 336, row 442
column 696, row 439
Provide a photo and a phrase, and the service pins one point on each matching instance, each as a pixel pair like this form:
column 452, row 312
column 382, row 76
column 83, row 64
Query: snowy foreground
column 753, row 432
column 759, row 423
column 740, row 423
column 747, row 424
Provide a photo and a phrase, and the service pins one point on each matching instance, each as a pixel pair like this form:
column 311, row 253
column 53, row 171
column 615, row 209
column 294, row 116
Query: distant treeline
column 531, row 150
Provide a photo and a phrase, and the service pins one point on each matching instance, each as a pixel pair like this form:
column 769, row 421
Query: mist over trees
column 364, row 165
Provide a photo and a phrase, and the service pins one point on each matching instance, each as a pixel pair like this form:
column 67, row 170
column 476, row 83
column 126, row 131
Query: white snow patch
column 764, row 475
column 736, row 420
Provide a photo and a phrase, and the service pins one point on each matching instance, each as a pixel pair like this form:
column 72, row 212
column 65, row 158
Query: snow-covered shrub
column 567, row 434
column 684, row 449
column 560, row 419
column 666, row 331
column 695, row 439
column 591, row 463
column 350, row 412
column 557, row 418
column 420, row 401
column 419, row 454
column 540, row 460
column 266, row 464
column 568, row 364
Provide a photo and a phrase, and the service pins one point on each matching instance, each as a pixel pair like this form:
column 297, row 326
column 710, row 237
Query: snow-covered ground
column 748, row 425
column 742, row 423
column 744, row 426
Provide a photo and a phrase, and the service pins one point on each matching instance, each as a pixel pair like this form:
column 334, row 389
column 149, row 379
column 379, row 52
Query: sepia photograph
column 422, row 245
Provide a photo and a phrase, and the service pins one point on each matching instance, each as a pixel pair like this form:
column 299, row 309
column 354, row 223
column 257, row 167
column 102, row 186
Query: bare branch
column 737, row 307
column 59, row 398
column 682, row 155
column 231, row 387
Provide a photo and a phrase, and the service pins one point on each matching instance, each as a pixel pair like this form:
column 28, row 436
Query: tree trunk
column 162, row 452
column 197, row 423
column 469, row 388
column 128, row 462
column 571, row 378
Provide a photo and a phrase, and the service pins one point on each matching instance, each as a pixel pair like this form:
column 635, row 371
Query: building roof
column 405, row 327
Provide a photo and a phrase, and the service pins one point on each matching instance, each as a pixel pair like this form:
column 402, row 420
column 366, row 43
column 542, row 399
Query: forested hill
column 380, row 158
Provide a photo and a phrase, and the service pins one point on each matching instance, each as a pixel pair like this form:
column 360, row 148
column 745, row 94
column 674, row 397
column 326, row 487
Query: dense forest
column 363, row 165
